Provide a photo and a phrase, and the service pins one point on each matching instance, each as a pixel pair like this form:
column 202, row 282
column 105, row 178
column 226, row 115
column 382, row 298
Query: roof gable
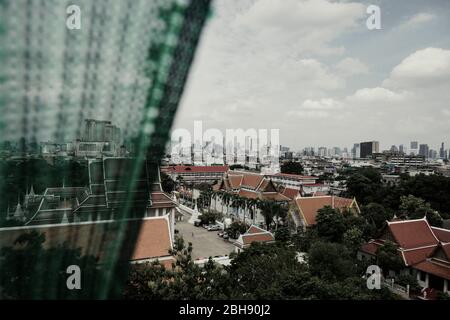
column 410, row 234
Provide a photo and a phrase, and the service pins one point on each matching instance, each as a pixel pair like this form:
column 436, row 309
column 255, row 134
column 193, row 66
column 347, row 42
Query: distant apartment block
column 196, row 174
column 99, row 138
column 293, row 181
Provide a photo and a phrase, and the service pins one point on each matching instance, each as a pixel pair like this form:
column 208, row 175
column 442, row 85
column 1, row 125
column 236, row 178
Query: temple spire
column 18, row 213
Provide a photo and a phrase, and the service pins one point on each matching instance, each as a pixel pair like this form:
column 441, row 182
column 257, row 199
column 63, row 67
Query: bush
column 208, row 218
column 236, row 229
column 406, row 279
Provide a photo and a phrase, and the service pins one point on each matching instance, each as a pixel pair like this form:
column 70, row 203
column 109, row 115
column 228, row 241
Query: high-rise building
column 442, row 151
column 424, row 150
column 414, row 147
column 369, row 148
column 356, row 151
column 394, row 148
column 432, row 154
column 401, row 149
column 322, row 152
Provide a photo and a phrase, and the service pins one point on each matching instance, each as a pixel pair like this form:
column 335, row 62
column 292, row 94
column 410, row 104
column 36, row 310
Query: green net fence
column 85, row 114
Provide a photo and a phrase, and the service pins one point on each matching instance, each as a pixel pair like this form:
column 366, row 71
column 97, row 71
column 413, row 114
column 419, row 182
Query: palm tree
column 226, row 197
column 267, row 210
column 251, row 204
column 235, row 203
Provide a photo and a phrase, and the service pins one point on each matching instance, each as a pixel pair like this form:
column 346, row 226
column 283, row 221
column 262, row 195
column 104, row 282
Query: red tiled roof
column 371, row 247
column 309, row 206
column 412, row 233
column 94, row 238
column 255, row 229
column 248, row 194
column 257, row 237
column 235, row 181
column 437, row 268
column 442, row 234
column 446, row 249
column 251, row 181
column 183, row 169
column 416, row 255
column 153, row 240
column 290, row 193
column 274, row 196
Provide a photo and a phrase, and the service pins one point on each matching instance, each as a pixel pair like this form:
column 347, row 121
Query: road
column 204, row 243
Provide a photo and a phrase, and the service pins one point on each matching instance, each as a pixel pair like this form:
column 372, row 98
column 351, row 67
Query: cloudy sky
column 312, row 69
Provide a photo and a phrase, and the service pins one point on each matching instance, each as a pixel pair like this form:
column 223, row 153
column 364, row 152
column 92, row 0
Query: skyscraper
column 442, row 151
column 424, row 150
column 356, row 151
column 414, row 147
column 369, row 148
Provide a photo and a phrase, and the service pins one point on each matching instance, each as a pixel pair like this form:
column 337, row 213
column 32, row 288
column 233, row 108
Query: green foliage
column 415, row 208
column 353, row 239
column 388, row 257
column 291, row 167
column 303, row 239
column 263, row 270
column 330, row 261
column 208, row 218
column 283, row 234
column 407, row 279
column 236, row 228
column 376, row 215
column 366, row 186
column 29, row 271
column 185, row 280
column 330, row 224
column 167, row 183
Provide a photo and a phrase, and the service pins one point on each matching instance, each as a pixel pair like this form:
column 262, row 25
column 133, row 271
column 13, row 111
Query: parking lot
column 205, row 243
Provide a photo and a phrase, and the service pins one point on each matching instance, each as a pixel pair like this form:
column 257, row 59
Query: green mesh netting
column 110, row 88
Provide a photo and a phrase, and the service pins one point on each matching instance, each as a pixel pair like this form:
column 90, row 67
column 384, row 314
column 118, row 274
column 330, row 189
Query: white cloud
column 416, row 20
column 273, row 64
column 309, row 114
column 423, row 68
column 377, row 94
column 322, row 104
column 351, row 66
column 304, row 25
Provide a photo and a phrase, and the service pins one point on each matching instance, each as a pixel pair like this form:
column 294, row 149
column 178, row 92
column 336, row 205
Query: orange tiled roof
column 251, row 181
column 257, row 237
column 153, row 240
column 442, row 234
column 437, row 268
column 93, row 238
column 416, row 255
column 412, row 233
column 248, row 194
column 309, row 206
column 274, row 196
column 290, row 193
column 255, row 229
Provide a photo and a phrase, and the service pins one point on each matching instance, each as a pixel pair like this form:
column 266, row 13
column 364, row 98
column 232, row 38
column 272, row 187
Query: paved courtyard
column 205, row 243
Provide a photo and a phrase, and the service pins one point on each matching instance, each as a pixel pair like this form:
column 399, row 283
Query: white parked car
column 214, row 227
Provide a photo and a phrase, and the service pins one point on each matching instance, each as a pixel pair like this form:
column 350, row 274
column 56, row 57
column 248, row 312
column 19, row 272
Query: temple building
column 424, row 251
column 304, row 210
column 110, row 191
